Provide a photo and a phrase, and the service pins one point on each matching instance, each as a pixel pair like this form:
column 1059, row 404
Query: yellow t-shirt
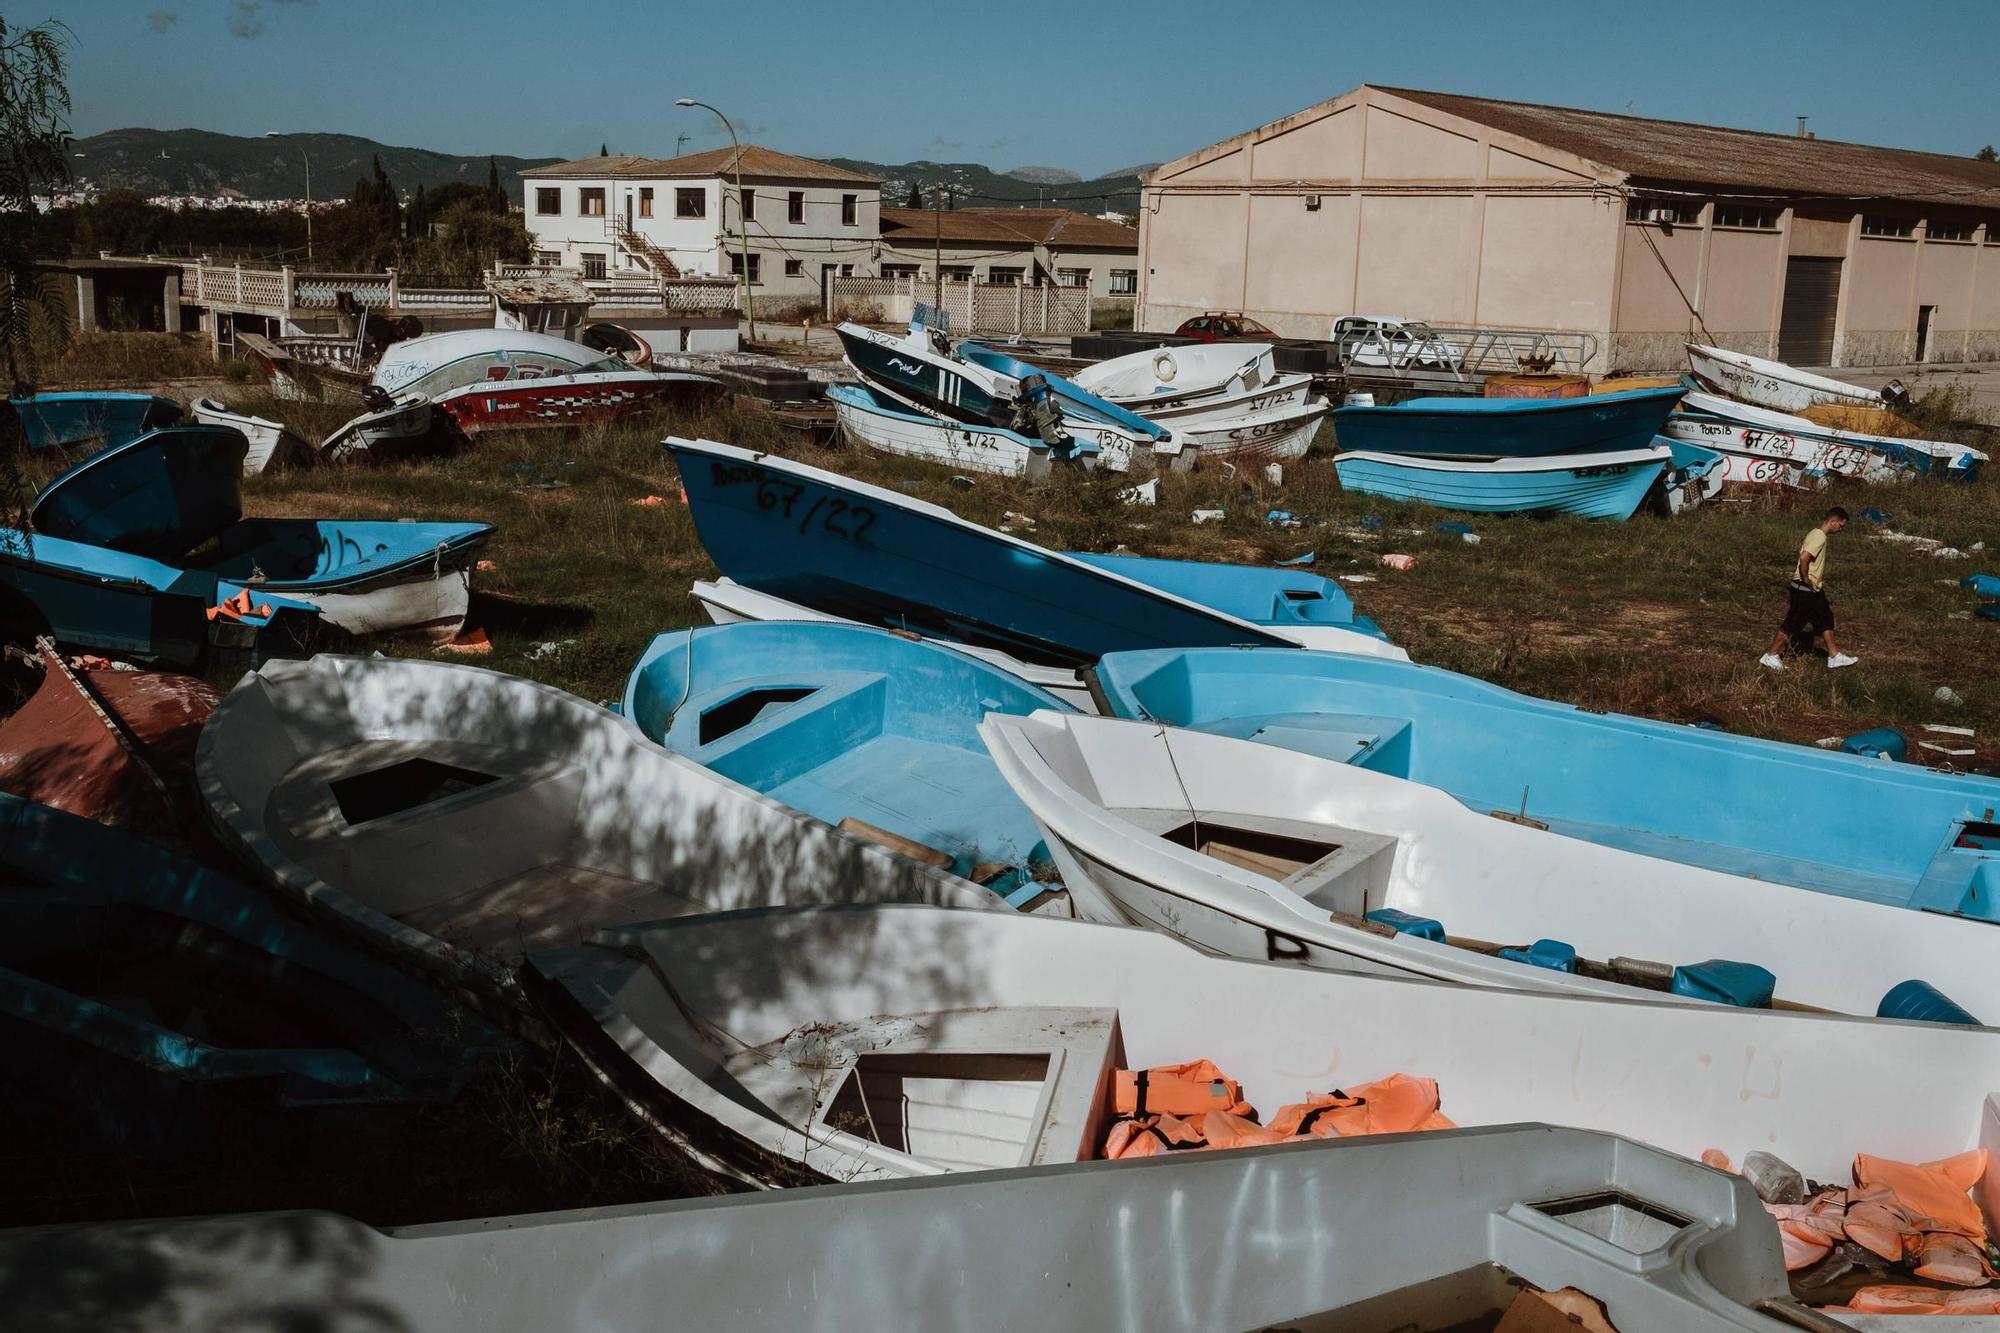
column 1814, row 546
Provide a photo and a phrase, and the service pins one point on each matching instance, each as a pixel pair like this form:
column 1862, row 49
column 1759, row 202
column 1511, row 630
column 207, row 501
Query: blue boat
column 1078, row 403
column 1857, row 827
column 847, row 549
column 158, row 494
column 858, row 727
column 1604, row 485
column 154, row 997
column 1248, row 592
column 90, row 421
column 1508, row 427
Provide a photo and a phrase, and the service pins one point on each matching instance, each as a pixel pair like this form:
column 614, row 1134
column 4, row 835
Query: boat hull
column 272, row 444
column 1608, row 485
column 160, row 494
column 87, row 422
column 864, row 418
column 383, row 433
column 560, row 401
column 1766, row 383
column 1507, row 427
column 1276, row 435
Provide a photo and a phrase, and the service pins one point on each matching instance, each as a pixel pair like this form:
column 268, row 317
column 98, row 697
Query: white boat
column 1766, row 447
column 1180, row 386
column 1362, row 1234
column 272, row 443
column 877, row 1042
column 1271, row 435
column 728, row 602
column 457, row 817
column 1255, row 852
column 1766, row 383
column 392, row 425
column 870, row 417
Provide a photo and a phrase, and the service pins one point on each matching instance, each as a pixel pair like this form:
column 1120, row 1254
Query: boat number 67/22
column 828, row 513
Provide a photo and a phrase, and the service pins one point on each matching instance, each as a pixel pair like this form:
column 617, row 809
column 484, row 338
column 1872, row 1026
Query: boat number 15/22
column 831, row 514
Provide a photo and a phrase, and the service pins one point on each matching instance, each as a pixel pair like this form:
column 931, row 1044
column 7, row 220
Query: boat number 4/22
column 831, row 514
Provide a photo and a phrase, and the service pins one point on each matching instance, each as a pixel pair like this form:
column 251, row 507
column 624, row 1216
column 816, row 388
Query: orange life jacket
column 237, row 607
column 1924, row 1300
column 1184, row 1090
column 1935, row 1192
column 1398, row 1104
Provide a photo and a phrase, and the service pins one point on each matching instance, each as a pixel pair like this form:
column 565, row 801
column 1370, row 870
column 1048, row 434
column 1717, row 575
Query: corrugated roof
column 760, row 163
column 1749, row 160
column 1009, row 226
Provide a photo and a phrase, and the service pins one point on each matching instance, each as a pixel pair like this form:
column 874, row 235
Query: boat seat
column 1342, row 870
column 1360, row 739
column 763, row 731
column 1964, row 877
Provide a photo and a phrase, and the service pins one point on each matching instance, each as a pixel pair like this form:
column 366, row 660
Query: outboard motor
column 1036, row 413
column 1896, row 394
column 375, row 398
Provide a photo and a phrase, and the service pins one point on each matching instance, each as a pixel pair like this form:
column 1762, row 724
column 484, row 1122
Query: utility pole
column 679, row 141
column 742, row 222
column 937, row 245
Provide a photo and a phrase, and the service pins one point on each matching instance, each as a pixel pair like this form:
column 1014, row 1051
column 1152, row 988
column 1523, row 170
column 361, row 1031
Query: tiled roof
column 758, row 163
column 1023, row 227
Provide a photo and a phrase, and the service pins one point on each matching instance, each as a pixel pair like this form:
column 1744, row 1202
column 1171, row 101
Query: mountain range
column 200, row 162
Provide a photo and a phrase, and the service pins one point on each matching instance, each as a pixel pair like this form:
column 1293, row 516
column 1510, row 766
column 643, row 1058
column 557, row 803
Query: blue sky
column 1093, row 87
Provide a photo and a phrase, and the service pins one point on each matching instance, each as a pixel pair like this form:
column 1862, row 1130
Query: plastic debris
column 469, row 642
column 1955, row 751
column 1829, row 742
column 1275, row 474
column 1774, row 1179
column 1981, row 585
column 1398, row 561
column 1210, row 515
column 1943, row 729
column 1011, row 520
column 1945, row 694
column 1879, row 743
column 1297, row 560
column 1947, row 553
column 548, row 648
column 648, row 501
column 1471, row 538
column 1877, row 517
column 1359, row 578
column 485, row 567
column 1281, row 518
column 1145, row 493
column 1454, row 527
column 1371, row 522
column 961, row 482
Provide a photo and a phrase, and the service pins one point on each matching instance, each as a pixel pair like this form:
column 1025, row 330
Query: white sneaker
column 1839, row 660
column 1773, row 661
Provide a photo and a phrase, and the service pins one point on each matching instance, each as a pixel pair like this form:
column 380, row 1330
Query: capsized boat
column 869, row 418
column 508, row 379
column 1363, row 1234
column 860, row 728
column 728, row 602
column 1773, row 384
column 1766, row 447
column 998, row 1050
column 1590, row 485
column 87, row 421
column 387, row 429
column 1507, row 427
column 1254, row 850
column 1178, row 386
column 456, row 817
column 143, row 988
column 272, row 443
column 880, row 557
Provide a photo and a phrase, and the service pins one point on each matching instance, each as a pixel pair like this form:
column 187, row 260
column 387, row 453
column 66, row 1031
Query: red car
column 1220, row 326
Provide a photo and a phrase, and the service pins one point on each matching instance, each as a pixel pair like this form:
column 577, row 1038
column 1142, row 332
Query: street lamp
column 273, row 134
column 742, row 223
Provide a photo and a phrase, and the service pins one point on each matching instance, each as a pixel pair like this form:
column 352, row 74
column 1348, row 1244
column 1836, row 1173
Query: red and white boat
column 507, row 379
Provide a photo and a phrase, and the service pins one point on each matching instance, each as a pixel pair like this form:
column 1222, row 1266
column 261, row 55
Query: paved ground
column 1981, row 379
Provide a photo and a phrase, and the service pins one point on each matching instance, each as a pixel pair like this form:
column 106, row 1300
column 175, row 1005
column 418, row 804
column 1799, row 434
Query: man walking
column 1809, row 612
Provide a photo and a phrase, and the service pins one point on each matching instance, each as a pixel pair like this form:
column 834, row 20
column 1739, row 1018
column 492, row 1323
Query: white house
column 636, row 217
column 1013, row 246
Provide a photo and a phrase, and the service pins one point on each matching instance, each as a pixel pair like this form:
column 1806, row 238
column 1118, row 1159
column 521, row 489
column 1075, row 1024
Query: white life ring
column 1164, row 366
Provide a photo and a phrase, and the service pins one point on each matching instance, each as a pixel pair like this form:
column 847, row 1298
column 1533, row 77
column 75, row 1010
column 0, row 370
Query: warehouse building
column 1467, row 211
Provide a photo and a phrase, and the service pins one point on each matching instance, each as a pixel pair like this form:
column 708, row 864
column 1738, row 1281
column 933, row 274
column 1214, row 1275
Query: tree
column 916, row 199
column 468, row 238
column 604, row 150
column 1988, row 154
column 496, row 198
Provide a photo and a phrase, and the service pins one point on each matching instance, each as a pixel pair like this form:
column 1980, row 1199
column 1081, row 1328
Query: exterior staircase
column 651, row 256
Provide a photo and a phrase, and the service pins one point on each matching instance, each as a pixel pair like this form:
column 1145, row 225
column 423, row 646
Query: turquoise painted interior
column 91, row 419
column 1248, row 592
column 844, row 721
column 315, row 555
column 1838, row 823
column 160, row 494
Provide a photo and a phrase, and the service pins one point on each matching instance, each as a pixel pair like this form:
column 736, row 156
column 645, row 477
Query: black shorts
column 1809, row 611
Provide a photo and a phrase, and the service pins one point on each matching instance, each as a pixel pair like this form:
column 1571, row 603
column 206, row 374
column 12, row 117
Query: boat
column 880, row 557
column 159, row 494
column 1363, row 1234
column 904, row 1041
column 155, row 998
column 85, row 422
column 868, row 418
column 728, row 602
column 113, row 746
column 1765, row 447
column 862, row 729
column 107, row 601
column 272, row 443
column 389, row 428
column 1590, row 485
column 508, row 379
column 1507, row 427
column 1178, row 386
column 1773, row 384
column 454, row 817
column 1256, row 849
column 1278, row 434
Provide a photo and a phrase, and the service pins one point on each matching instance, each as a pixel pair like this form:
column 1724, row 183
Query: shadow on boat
column 504, row 615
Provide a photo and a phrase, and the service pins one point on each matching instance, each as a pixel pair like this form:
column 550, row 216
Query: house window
column 1949, row 231
column 736, row 267
column 1005, row 277
column 795, row 206
column 548, row 258
column 795, row 268
column 548, row 200
column 901, row 271
column 958, row 272
column 593, row 267
column 847, row 209
column 645, row 201
column 1874, row 224
column 691, row 203
column 1749, row 219
column 1124, row 282
column 747, row 205
column 1073, row 277
column 591, row 201
column 847, row 270
column 1674, row 212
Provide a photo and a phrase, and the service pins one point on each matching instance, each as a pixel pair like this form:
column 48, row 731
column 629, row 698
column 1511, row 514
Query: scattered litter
column 1977, row 546
column 1122, row 549
column 1878, row 743
column 1945, row 694
column 1229, row 472
column 1955, row 751
column 485, row 567
column 1982, row 585
column 469, row 642
column 1210, row 515
column 1471, row 538
column 648, row 501
column 1774, row 1179
column 1947, row 553
column 1395, row 561
column 1358, row 578
column 1877, row 517
column 961, row 482
column 548, row 648
column 1145, row 493
column 1454, row 527
column 1297, row 560
column 1828, row 742
column 1371, row 522
column 1282, row 518
column 1010, row 521
column 1941, row 729
column 1275, row 474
